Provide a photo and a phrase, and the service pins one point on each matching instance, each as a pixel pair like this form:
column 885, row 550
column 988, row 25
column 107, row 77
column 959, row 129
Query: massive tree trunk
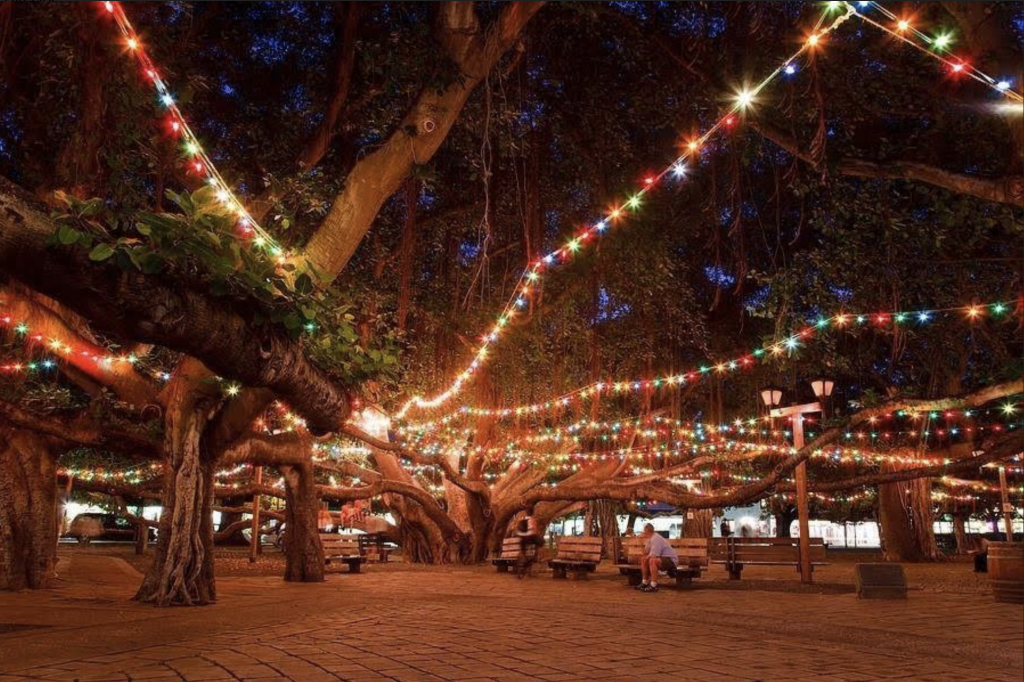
column 28, row 511
column 697, row 523
column 897, row 534
column 963, row 542
column 607, row 520
column 304, row 555
column 923, row 515
column 785, row 514
column 182, row 570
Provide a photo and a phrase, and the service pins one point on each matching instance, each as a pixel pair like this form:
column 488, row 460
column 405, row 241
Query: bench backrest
column 740, row 550
column 510, row 548
column 691, row 551
column 340, row 545
column 580, row 549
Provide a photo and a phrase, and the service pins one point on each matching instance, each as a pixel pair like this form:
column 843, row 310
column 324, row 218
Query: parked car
column 274, row 536
column 93, row 526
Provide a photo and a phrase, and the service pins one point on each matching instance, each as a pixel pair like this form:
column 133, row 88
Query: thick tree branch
column 291, row 449
column 83, row 432
column 127, row 384
column 1007, row 446
column 151, row 309
column 418, row 136
column 1004, row 190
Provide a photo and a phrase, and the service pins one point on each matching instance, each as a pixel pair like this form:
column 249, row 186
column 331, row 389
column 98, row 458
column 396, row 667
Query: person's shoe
column 652, row 588
column 641, row 587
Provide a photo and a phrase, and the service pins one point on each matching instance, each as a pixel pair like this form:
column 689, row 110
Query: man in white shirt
column 658, row 556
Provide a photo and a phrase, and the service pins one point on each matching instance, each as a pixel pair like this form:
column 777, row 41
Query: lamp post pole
column 254, row 540
column 1004, row 493
column 802, row 504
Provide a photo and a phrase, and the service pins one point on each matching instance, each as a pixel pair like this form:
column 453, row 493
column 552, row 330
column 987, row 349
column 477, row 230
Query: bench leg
column 558, row 572
column 502, row 568
column 735, row 572
column 633, row 578
column 684, row 580
column 580, row 574
column 355, row 567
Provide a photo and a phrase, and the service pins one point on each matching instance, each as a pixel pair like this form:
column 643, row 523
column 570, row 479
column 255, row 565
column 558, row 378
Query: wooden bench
column 511, row 548
column 735, row 553
column 343, row 548
column 576, row 555
column 693, row 559
column 375, row 547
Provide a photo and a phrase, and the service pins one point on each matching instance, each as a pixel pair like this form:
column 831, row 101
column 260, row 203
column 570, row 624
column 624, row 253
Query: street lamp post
column 823, row 391
column 797, row 413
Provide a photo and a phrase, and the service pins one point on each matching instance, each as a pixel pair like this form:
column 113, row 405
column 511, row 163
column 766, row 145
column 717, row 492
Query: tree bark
column 151, row 309
column 785, row 514
column 923, row 515
column 1005, row 190
column 182, row 572
column 407, row 253
column 897, row 534
column 963, row 545
column 28, row 511
column 377, row 176
column 304, row 555
column 700, row 525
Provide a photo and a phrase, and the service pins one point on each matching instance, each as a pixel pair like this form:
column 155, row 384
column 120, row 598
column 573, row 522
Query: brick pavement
column 410, row 624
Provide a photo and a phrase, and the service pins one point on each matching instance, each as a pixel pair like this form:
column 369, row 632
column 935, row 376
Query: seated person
column 530, row 539
column 658, row 556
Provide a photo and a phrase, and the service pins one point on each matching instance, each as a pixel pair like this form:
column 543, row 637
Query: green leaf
column 101, row 252
column 68, row 235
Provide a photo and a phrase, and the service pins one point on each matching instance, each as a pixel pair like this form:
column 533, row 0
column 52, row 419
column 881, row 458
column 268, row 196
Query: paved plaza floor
column 425, row 623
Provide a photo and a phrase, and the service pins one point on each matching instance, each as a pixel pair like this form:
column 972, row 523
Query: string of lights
column 655, row 427
column 787, row 346
column 60, row 349
column 677, row 170
column 935, row 46
column 199, row 162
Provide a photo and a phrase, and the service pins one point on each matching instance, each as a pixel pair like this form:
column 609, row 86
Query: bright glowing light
column 813, row 39
column 942, row 41
column 109, row 6
column 744, row 99
column 693, row 146
column 166, row 99
column 958, row 67
column 191, row 148
column 679, row 169
column 133, row 44
column 790, row 69
column 1009, row 408
column 923, row 316
column 1003, row 85
column 973, row 312
column 903, row 24
column 232, row 389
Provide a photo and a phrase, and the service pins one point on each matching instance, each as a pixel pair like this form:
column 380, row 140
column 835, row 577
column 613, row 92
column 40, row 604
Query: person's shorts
column 667, row 564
